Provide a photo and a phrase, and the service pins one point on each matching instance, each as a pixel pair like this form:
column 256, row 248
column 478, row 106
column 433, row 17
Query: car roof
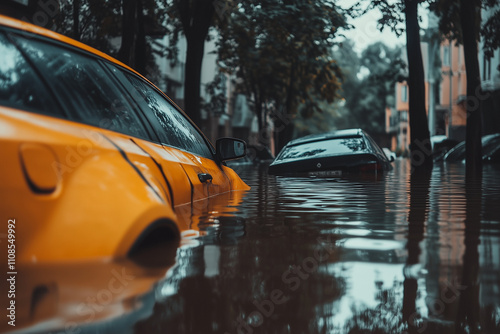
column 28, row 27
column 346, row 133
column 459, row 149
column 490, row 137
column 31, row 28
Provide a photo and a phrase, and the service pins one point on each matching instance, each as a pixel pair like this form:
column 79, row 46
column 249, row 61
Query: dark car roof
column 347, row 133
column 344, row 150
column 368, row 145
column 458, row 152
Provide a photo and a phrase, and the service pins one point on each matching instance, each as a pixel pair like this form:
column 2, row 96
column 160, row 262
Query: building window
column 446, row 55
column 404, row 116
column 404, row 93
column 486, row 68
column 394, row 120
column 440, row 93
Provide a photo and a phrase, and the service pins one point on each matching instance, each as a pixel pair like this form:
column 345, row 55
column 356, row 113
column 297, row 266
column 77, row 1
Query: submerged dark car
column 330, row 154
column 490, row 144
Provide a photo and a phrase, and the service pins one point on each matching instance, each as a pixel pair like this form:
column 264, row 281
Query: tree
column 97, row 23
column 461, row 21
column 491, row 32
column 367, row 97
column 280, row 51
column 420, row 145
column 92, row 22
column 470, row 13
column 195, row 18
column 133, row 35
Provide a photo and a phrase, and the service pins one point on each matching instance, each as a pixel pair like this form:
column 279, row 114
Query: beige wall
column 458, row 89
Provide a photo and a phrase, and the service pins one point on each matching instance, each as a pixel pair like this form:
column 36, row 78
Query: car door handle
column 205, row 177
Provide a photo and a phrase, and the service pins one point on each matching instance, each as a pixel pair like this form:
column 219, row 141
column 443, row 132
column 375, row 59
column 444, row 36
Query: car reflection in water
column 331, row 154
column 112, row 295
column 101, row 174
column 408, row 252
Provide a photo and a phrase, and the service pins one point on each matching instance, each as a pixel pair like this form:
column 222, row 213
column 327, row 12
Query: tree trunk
column 468, row 315
column 76, row 19
column 420, row 181
column 284, row 135
column 126, row 53
column 420, row 144
column 133, row 49
column 196, row 17
column 473, row 150
column 283, row 125
column 283, row 129
column 192, row 95
column 140, row 41
column 262, row 138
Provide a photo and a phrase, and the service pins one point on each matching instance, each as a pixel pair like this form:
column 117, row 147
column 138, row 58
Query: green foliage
column 194, row 18
column 491, row 34
column 450, row 27
column 99, row 24
column 385, row 317
column 328, row 119
column 392, row 13
column 448, row 12
column 366, row 97
column 281, row 52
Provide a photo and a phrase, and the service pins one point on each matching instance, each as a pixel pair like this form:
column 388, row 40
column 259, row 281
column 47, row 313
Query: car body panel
column 342, row 163
column 493, row 156
column 88, row 168
column 78, row 191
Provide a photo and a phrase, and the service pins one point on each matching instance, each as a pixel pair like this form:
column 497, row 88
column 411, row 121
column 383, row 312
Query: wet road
column 388, row 254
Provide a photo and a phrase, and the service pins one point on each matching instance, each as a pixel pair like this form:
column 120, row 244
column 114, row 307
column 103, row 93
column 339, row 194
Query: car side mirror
column 230, row 148
column 389, row 154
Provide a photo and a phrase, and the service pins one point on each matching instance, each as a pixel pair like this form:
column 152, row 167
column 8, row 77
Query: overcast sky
column 365, row 31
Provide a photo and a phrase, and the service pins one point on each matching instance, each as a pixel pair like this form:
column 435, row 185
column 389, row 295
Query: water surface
column 390, row 253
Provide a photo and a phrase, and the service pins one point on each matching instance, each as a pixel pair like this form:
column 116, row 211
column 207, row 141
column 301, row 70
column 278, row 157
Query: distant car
column 96, row 161
column 330, row 154
column 490, row 144
column 391, row 156
column 441, row 145
column 436, row 140
column 493, row 156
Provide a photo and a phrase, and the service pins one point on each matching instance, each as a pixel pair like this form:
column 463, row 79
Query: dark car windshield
column 20, row 87
column 337, row 146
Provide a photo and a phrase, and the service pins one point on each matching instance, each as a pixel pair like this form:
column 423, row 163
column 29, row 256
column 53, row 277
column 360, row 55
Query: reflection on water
column 392, row 254
column 71, row 297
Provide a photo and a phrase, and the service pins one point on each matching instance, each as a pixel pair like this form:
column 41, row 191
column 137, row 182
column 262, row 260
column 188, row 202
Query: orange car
column 95, row 160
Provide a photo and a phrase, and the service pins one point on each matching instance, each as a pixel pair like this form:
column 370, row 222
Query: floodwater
column 397, row 253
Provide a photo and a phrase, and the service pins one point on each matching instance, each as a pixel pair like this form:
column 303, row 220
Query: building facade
column 446, row 92
column 451, row 91
column 489, row 67
column 398, row 117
